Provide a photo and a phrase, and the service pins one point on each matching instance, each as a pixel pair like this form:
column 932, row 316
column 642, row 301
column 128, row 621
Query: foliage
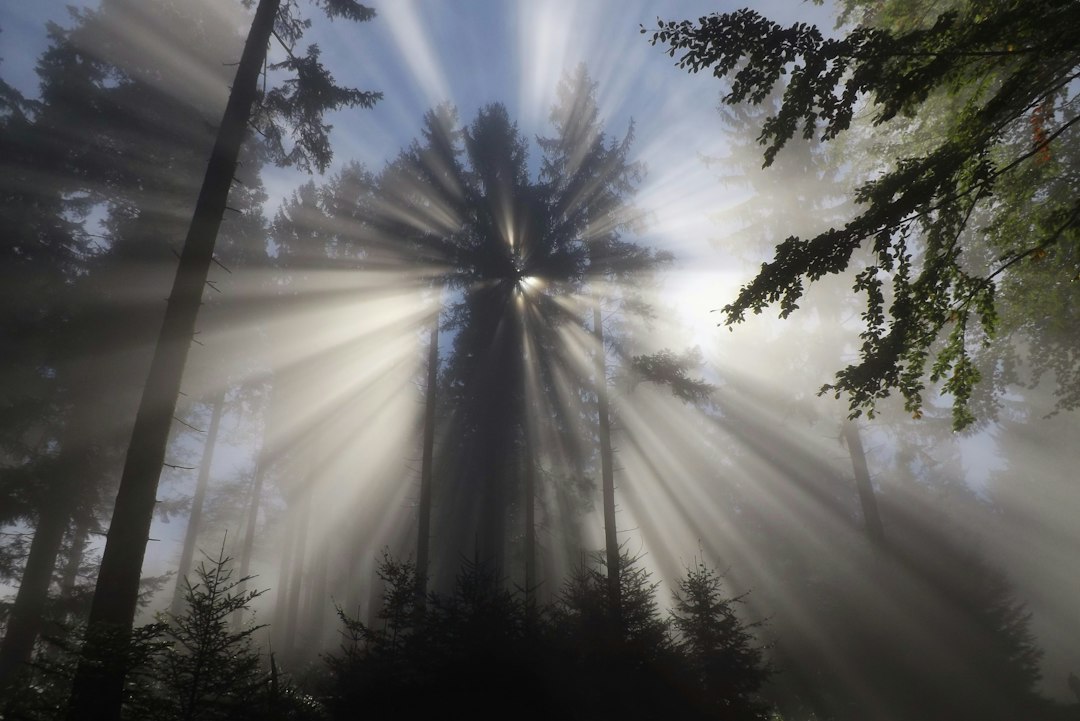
column 117, row 133
column 668, row 368
column 210, row 670
column 41, row 690
column 423, row 660
column 571, row 659
column 191, row 667
column 290, row 116
column 584, row 612
column 1008, row 66
column 726, row 662
column 518, row 249
column 206, row 668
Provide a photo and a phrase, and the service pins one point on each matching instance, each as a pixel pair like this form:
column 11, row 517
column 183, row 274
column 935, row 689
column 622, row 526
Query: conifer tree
column 98, row 689
column 727, row 663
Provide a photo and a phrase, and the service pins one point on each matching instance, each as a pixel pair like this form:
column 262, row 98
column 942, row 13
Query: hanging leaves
column 1002, row 67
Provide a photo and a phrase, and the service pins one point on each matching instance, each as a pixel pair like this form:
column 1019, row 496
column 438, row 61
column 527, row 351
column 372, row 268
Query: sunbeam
column 523, row 375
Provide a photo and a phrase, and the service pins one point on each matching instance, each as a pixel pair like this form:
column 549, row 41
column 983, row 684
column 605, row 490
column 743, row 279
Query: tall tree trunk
column 527, row 430
column 423, row 521
column 354, row 582
column 281, row 603
column 611, row 540
column 264, row 458
column 530, row 516
column 376, row 586
column 296, row 576
column 73, row 562
column 25, row 622
column 69, row 578
column 195, row 518
column 247, row 548
column 54, row 518
column 317, row 604
column 98, row 688
column 871, row 518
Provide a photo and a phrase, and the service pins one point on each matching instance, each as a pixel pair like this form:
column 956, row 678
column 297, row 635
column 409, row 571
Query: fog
column 307, row 405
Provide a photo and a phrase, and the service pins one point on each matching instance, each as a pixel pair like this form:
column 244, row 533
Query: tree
column 461, row 202
column 209, row 671
column 591, row 181
column 194, row 526
column 98, row 104
column 617, row 662
column 473, row 638
column 44, row 256
column 97, row 691
column 926, row 208
column 727, row 664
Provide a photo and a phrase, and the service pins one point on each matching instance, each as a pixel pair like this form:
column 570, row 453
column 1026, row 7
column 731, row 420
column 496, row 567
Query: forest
column 540, row 360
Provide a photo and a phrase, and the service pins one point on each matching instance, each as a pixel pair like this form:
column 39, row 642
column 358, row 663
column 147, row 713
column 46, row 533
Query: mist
column 460, row 410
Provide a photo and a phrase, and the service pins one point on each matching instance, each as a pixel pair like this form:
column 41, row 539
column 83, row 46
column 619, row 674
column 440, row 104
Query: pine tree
column 727, row 663
column 97, row 692
column 207, row 670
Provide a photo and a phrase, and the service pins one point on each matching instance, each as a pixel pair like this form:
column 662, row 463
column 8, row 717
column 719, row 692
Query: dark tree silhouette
column 727, row 663
column 96, row 105
column 97, row 692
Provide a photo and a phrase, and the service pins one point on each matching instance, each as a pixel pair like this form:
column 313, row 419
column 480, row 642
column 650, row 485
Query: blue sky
column 474, row 52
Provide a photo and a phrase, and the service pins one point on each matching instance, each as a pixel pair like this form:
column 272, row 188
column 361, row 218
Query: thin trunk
column 296, row 576
column 70, row 576
column 98, row 688
column 353, row 585
column 54, row 518
column 264, row 459
column 27, row 612
column 69, row 579
column 318, row 593
column 252, row 521
column 423, row 521
column 288, row 550
column 530, row 473
column 248, row 546
column 607, row 474
column 195, row 518
column 375, row 601
column 530, row 517
column 874, row 529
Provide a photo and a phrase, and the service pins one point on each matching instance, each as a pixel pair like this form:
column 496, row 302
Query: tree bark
column 54, row 518
column 317, row 608
column 611, row 540
column 423, row 521
column 248, row 546
column 26, row 614
column 288, row 550
column 871, row 517
column 530, row 516
column 264, row 458
column 195, row 518
column 296, row 576
column 70, row 577
column 98, row 687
